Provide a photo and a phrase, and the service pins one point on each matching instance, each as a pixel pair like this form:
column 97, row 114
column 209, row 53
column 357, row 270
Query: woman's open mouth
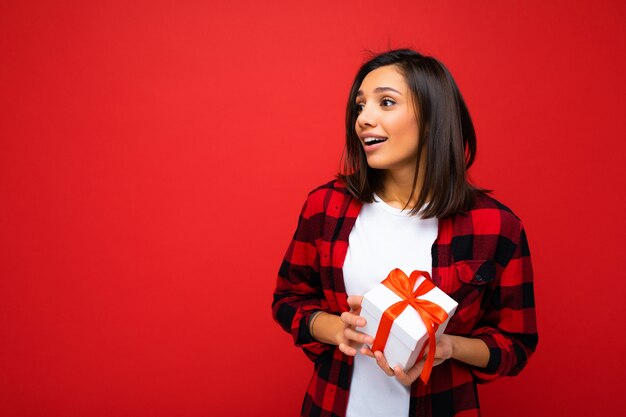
column 371, row 140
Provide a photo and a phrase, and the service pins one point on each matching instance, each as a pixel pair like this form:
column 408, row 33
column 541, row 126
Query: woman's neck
column 397, row 186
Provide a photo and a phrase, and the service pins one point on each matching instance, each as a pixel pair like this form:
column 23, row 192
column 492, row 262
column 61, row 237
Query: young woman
column 404, row 201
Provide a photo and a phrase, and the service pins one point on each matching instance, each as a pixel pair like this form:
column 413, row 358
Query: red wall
column 154, row 157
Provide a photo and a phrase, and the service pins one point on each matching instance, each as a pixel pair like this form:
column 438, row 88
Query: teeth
column 372, row 140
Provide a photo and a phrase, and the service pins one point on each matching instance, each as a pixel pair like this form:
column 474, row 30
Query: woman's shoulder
column 489, row 230
column 334, row 185
column 484, row 201
column 330, row 187
column 488, row 209
column 333, row 190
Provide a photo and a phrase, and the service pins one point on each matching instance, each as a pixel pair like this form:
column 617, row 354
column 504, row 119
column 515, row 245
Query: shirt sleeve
column 508, row 326
column 298, row 292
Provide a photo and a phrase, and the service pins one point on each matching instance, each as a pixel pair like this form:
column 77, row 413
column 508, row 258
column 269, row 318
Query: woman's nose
column 367, row 117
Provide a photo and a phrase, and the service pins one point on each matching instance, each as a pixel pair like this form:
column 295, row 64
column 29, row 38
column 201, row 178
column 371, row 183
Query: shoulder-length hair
column 446, row 135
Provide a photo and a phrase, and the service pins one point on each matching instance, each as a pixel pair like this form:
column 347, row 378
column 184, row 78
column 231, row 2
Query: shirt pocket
column 471, row 286
column 476, row 272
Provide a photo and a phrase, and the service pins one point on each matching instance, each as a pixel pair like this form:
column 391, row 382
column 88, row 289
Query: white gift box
column 408, row 332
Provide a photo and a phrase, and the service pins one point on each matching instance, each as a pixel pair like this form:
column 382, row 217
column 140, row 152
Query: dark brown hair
column 446, row 135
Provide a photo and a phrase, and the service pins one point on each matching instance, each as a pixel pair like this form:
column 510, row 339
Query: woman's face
column 386, row 123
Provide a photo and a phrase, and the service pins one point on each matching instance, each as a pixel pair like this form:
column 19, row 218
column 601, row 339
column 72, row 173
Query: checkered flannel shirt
column 481, row 259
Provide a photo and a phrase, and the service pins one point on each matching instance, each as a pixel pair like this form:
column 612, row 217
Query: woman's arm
column 298, row 293
column 508, row 326
column 464, row 349
column 300, row 305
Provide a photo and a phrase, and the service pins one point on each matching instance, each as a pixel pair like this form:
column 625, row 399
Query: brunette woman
column 403, row 200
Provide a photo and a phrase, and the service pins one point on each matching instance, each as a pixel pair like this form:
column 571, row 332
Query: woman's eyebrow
column 379, row 90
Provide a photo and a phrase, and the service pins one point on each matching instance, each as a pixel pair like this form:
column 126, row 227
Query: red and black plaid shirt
column 480, row 259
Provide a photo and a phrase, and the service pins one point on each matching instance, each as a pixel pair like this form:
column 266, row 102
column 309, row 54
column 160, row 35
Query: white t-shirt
column 383, row 238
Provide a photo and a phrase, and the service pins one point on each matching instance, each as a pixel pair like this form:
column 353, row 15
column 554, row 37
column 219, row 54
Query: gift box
column 399, row 312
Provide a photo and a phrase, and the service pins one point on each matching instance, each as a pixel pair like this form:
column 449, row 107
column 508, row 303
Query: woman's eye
column 386, row 102
column 359, row 107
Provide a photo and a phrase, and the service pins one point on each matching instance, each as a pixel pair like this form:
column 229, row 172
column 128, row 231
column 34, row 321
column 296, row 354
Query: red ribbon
column 432, row 314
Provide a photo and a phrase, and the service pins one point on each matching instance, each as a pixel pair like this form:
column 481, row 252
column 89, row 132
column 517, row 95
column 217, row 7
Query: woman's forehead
column 383, row 78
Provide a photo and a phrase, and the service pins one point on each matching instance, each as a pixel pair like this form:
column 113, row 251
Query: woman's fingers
column 367, row 351
column 358, row 337
column 352, row 319
column 444, row 347
column 405, row 378
column 354, row 301
column 353, row 339
column 408, row 377
column 438, row 361
column 382, row 363
column 347, row 349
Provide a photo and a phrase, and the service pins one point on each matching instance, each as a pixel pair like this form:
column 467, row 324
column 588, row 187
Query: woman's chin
column 376, row 163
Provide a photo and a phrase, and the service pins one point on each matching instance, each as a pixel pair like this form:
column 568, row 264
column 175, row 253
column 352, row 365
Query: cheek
column 411, row 123
column 407, row 128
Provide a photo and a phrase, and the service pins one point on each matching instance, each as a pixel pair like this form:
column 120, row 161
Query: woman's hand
column 443, row 351
column 350, row 340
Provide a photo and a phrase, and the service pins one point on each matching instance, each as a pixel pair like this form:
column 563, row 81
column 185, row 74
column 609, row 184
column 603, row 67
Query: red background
column 154, row 157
